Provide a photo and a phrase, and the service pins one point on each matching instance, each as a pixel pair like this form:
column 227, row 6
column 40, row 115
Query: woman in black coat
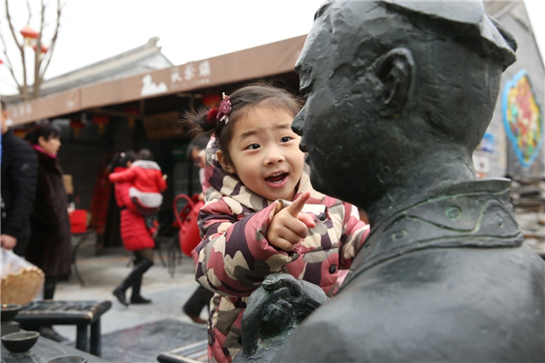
column 50, row 246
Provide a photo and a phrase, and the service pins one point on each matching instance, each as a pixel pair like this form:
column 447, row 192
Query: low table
column 80, row 313
column 44, row 350
column 191, row 353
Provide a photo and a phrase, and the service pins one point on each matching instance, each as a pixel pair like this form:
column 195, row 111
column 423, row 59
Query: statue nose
column 297, row 127
column 297, row 124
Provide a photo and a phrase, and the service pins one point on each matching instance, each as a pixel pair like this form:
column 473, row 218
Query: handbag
column 186, row 219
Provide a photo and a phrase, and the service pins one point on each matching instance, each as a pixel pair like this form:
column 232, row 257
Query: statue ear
column 394, row 72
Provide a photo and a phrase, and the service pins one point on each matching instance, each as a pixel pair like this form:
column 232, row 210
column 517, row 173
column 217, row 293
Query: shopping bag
column 187, row 221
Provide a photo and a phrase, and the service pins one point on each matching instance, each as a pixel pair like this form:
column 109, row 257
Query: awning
column 262, row 61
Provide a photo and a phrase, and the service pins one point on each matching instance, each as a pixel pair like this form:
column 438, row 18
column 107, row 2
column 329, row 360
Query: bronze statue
column 277, row 308
column 399, row 94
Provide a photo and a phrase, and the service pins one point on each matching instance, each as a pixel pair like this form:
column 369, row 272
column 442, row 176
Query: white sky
column 92, row 30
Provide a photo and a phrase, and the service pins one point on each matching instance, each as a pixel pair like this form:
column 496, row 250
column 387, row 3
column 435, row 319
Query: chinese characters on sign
column 21, row 110
column 191, row 74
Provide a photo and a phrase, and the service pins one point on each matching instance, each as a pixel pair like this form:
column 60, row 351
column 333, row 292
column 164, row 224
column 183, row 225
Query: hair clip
column 224, row 109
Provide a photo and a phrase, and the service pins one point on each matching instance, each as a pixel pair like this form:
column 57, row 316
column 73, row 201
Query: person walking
column 50, row 246
column 135, row 235
column 19, row 174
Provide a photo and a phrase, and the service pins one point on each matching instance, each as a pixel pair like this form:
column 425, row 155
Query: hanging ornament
column 76, row 125
column 20, row 132
column 131, row 122
column 44, row 48
column 28, row 33
column 101, row 122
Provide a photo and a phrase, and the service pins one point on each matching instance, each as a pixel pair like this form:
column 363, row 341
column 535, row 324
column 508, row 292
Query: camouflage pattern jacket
column 234, row 256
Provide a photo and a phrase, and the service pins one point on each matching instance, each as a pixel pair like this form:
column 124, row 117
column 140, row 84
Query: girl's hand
column 289, row 226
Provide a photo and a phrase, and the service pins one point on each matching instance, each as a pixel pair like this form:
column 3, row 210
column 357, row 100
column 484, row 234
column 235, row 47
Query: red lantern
column 44, row 48
column 130, row 119
column 101, row 121
column 28, row 33
column 76, row 125
column 212, row 100
column 21, row 133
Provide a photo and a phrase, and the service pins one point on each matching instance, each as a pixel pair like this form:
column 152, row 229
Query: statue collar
column 476, row 213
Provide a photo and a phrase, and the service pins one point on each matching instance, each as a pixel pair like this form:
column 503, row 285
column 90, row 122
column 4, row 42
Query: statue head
column 391, row 85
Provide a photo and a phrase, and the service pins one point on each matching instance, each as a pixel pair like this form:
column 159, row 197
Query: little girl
column 262, row 215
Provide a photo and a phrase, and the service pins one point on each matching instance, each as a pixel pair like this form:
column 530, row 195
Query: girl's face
column 51, row 146
column 265, row 153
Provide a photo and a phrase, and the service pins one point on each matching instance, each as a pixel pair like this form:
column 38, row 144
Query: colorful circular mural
column 523, row 118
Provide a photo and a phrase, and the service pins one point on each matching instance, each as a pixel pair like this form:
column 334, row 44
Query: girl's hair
column 47, row 130
column 145, row 154
column 242, row 101
column 121, row 159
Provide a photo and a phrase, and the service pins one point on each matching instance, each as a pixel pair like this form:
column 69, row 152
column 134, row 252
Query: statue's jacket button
column 332, row 269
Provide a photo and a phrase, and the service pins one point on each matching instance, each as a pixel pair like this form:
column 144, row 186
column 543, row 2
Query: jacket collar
column 47, row 161
column 475, row 213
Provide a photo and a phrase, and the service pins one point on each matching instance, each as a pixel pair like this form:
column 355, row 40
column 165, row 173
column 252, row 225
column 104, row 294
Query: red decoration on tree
column 212, row 100
column 76, row 125
column 28, row 33
column 44, row 48
column 101, row 121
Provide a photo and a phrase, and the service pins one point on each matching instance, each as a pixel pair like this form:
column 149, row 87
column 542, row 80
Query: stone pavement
column 103, row 273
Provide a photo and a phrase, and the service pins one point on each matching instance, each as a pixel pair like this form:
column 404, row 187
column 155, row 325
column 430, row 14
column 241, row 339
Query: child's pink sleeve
column 122, row 176
column 234, row 256
column 355, row 232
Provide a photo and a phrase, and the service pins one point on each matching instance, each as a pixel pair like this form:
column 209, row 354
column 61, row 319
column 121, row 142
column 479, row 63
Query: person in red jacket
column 134, row 232
column 147, row 183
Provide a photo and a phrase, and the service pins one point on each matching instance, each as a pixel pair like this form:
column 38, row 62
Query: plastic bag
column 22, row 282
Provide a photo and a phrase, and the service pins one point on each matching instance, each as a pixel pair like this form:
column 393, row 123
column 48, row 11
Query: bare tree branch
column 10, row 69
column 54, row 39
column 41, row 60
column 29, row 12
column 21, row 50
column 8, row 60
column 37, row 56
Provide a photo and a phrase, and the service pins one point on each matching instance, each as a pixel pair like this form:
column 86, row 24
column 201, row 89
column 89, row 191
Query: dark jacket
column 19, row 173
column 444, row 279
column 50, row 243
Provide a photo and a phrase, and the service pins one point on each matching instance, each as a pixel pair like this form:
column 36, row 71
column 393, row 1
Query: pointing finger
column 295, row 208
